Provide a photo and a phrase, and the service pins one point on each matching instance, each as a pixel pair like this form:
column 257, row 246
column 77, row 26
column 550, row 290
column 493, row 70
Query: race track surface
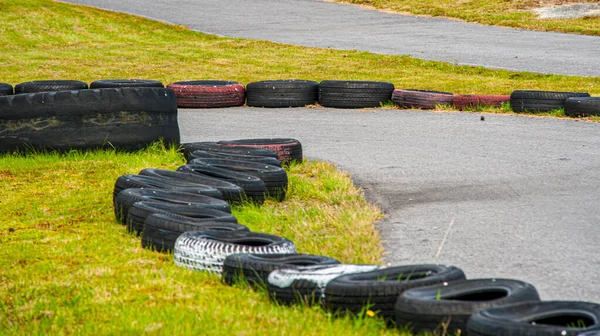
column 522, row 192
column 330, row 25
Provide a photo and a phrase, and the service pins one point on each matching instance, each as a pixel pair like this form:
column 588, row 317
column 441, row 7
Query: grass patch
column 49, row 40
column 514, row 13
column 70, row 268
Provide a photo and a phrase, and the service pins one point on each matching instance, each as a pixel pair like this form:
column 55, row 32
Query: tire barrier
column 166, row 183
column 274, row 178
column 126, row 198
column 127, row 118
column 282, row 93
column 190, row 147
column 307, row 285
column 352, row 292
column 49, row 86
column 570, row 318
column 187, row 212
column 230, row 192
column 200, row 154
column 421, row 99
column 208, row 93
column 290, row 93
column 425, row 297
column 139, row 211
column 6, row 89
column 582, row 106
column 328, row 93
column 161, row 230
column 541, row 101
column 452, row 303
column 287, row 149
column 254, row 269
column 254, row 188
column 128, row 83
column 207, row 250
column 354, row 94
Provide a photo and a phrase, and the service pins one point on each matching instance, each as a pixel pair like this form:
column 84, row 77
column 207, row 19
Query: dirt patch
column 568, row 11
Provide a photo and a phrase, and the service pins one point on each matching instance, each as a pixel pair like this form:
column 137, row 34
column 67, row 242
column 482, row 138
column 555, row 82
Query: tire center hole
column 488, row 295
column 566, row 320
column 252, row 242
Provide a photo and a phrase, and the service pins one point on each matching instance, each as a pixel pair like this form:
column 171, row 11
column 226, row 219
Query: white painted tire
column 307, row 284
column 207, row 250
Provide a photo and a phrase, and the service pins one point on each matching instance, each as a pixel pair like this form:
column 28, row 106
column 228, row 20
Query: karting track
column 522, row 192
column 331, row 25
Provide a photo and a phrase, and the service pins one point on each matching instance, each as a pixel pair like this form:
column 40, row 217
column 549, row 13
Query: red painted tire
column 287, row 149
column 208, row 93
column 462, row 102
column 423, row 99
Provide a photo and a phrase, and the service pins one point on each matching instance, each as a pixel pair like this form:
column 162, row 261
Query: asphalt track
column 331, row 25
column 521, row 193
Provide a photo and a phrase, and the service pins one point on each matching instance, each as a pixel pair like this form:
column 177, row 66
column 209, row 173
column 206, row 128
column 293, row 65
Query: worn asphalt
column 521, row 192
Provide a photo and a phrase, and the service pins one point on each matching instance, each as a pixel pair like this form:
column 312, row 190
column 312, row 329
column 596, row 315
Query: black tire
column 230, row 192
column 189, row 147
column 540, row 101
column 379, row 289
column 208, row 93
column 49, row 86
column 162, row 230
column 200, row 154
column 254, row 188
column 255, row 268
column 139, row 211
column 426, row 308
column 164, row 183
column 281, row 93
column 582, row 107
column 274, row 178
column 545, row 318
column 6, row 89
column 126, row 83
column 127, row 197
column 354, row 94
column 207, row 250
column 287, row 149
column 307, row 284
column 111, row 118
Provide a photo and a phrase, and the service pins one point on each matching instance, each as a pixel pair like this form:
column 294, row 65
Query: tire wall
column 127, row 118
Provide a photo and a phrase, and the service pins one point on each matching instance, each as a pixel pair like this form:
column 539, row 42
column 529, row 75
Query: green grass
column 69, row 268
column 48, row 40
column 514, row 13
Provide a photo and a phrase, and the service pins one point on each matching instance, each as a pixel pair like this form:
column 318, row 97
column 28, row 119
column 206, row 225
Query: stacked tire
column 161, row 205
column 208, row 93
column 354, row 94
column 125, row 118
column 541, row 101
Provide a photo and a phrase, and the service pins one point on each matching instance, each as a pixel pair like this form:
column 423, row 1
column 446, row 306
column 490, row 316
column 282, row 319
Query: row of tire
column 187, row 212
column 329, row 93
